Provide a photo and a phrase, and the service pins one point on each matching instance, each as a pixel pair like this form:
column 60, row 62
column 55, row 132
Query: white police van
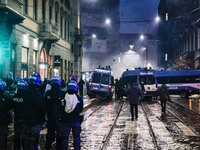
column 101, row 83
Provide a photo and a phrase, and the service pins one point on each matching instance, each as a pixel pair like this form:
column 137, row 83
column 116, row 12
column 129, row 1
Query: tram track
column 150, row 127
column 185, row 115
column 179, row 132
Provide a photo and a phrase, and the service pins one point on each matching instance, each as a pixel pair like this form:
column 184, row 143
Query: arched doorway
column 43, row 64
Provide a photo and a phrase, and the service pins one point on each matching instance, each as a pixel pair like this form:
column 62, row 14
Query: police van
column 101, row 83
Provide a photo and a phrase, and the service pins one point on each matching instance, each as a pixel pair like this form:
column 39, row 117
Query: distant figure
column 142, row 90
column 80, row 87
column 116, row 89
column 164, row 96
column 133, row 93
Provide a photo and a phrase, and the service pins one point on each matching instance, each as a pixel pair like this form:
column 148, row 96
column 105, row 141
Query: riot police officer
column 18, row 105
column 34, row 114
column 71, row 119
column 5, row 116
column 53, row 99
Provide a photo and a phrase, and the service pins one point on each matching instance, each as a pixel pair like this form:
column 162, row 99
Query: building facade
column 40, row 36
column 179, row 34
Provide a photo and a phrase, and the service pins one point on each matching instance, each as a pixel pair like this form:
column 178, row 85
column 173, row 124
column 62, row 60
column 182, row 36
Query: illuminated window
column 34, row 57
column 24, row 55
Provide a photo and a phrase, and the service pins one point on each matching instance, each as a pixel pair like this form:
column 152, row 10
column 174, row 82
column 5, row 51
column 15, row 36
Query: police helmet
column 72, row 85
column 2, row 85
column 16, row 80
column 23, row 85
column 56, row 80
column 26, row 79
column 8, row 79
column 73, row 77
column 35, row 79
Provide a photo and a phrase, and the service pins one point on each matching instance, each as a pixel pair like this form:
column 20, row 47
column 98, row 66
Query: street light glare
column 141, row 37
column 108, row 21
column 157, row 19
column 94, row 36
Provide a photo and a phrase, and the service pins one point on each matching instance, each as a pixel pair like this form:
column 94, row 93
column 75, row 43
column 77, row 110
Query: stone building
column 179, row 34
column 40, row 36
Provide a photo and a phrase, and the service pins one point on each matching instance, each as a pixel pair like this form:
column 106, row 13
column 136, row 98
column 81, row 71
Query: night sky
column 137, row 16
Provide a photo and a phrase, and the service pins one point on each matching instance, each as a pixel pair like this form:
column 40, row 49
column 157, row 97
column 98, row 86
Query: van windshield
column 96, row 78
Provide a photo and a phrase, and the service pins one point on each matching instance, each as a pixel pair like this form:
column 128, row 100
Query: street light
column 108, row 21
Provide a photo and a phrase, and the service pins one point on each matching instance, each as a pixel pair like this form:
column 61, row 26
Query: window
column 34, row 57
column 24, row 58
column 56, row 12
column 26, row 7
column 35, row 8
column 72, row 48
column 44, row 10
column 96, row 78
column 105, row 79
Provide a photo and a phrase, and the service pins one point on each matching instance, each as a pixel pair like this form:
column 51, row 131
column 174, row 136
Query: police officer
column 34, row 114
column 18, row 105
column 53, row 99
column 10, row 88
column 5, row 116
column 71, row 119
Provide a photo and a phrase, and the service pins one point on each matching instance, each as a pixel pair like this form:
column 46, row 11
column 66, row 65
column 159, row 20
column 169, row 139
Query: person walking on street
column 164, row 96
column 5, row 116
column 34, row 114
column 71, row 119
column 133, row 94
column 52, row 100
column 18, row 105
column 80, row 87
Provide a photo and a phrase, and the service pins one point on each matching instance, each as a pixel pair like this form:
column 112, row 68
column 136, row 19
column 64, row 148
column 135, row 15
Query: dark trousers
column 18, row 129
column 30, row 136
column 163, row 106
column 3, row 137
column 64, row 132
column 134, row 111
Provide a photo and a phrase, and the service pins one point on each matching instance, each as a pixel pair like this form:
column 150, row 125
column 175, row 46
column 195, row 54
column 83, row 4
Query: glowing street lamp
column 157, row 19
column 141, row 37
column 107, row 21
column 94, row 36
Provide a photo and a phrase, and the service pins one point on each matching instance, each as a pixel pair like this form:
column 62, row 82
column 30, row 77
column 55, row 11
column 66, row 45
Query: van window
column 96, row 78
column 105, row 79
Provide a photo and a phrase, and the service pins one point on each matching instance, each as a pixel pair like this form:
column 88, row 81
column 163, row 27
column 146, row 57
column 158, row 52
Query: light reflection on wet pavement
column 133, row 135
column 129, row 134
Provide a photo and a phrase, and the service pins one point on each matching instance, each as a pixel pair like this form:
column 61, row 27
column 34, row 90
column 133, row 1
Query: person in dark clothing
column 18, row 105
column 5, row 116
column 34, row 114
column 71, row 119
column 80, row 87
column 116, row 88
column 53, row 103
column 164, row 96
column 133, row 94
column 43, row 86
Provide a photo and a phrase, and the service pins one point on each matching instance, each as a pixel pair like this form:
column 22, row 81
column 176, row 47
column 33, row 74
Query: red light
column 110, row 86
column 90, row 83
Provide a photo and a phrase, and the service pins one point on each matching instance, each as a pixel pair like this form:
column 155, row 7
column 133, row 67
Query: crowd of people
column 36, row 105
column 55, row 105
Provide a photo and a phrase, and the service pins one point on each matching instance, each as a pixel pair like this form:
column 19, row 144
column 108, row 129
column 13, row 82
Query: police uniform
column 71, row 119
column 5, row 116
column 18, row 105
column 52, row 100
column 34, row 114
